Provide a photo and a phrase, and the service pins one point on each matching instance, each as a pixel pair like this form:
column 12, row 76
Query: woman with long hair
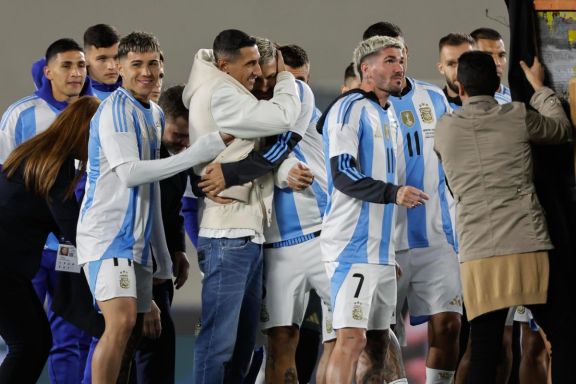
column 37, row 197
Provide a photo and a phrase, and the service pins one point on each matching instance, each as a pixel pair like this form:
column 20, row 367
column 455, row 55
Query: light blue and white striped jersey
column 116, row 221
column 418, row 112
column 23, row 120
column 503, row 95
column 297, row 215
column 356, row 231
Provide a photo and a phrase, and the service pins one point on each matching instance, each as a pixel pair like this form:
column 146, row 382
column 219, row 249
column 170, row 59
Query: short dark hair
column 382, row 28
column 140, row 42
column 294, row 56
column 349, row 72
column 477, row 73
column 229, row 42
column 454, row 40
column 101, row 36
column 171, row 103
column 485, row 33
column 61, row 45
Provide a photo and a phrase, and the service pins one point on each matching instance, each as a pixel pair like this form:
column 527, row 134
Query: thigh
column 383, row 310
column 435, row 285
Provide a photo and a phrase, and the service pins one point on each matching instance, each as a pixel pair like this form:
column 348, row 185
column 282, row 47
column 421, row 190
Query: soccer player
column 351, row 81
column 451, row 47
column 60, row 78
column 357, row 234
column 156, row 355
column 231, row 235
column 424, row 236
column 490, row 41
column 120, row 221
column 296, row 61
column 101, row 47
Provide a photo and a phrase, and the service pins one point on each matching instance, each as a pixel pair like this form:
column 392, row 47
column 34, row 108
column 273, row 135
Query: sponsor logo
column 457, row 301
column 329, row 326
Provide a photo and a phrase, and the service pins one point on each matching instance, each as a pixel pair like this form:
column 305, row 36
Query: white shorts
column 289, row 274
column 363, row 295
column 117, row 277
column 430, row 281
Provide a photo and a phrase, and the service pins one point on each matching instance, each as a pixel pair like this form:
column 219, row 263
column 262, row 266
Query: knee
column 533, row 349
column 448, row 330
column 121, row 325
column 283, row 339
column 351, row 342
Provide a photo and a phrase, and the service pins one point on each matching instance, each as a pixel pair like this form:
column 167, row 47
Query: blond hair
column 370, row 47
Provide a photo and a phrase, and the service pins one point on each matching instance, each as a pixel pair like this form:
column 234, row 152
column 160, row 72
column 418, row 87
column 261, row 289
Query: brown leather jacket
column 485, row 151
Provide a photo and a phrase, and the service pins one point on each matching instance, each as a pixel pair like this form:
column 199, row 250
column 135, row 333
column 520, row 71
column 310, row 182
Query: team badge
column 407, row 118
column 329, row 326
column 264, row 315
column 357, row 313
column 426, row 113
column 124, row 280
column 520, row 310
column 445, row 375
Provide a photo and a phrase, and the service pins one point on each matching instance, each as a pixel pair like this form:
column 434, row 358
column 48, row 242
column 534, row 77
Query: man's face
column 350, row 83
column 497, row 50
column 67, row 74
column 140, row 73
column 264, row 86
column 175, row 136
column 103, row 63
column 386, row 71
column 448, row 65
column 244, row 67
column 300, row 73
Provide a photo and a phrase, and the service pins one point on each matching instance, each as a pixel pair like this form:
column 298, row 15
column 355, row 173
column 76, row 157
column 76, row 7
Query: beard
column 453, row 87
column 263, row 95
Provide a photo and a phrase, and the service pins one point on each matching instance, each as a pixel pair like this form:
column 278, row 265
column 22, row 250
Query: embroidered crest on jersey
column 124, row 280
column 426, row 113
column 457, row 301
column 329, row 326
column 407, row 118
column 520, row 310
column 357, row 313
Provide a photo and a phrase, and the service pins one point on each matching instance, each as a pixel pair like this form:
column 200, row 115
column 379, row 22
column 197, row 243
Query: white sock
column 399, row 381
column 438, row 376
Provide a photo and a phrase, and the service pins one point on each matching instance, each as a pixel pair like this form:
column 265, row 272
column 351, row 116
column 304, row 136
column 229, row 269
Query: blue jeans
column 231, row 300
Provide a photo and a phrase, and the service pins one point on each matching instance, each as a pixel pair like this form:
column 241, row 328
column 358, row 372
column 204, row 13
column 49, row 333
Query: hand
column 213, row 180
column 534, row 74
column 280, row 66
column 152, row 326
column 300, row 177
column 226, row 138
column 410, row 197
column 181, row 267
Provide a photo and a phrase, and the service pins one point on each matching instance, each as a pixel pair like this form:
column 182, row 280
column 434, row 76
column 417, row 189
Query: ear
column 461, row 90
column 222, row 65
column 47, row 72
column 440, row 68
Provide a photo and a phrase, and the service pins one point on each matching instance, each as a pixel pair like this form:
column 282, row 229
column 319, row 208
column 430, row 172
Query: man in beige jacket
column 485, row 151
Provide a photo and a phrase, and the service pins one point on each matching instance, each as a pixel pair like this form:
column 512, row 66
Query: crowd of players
column 351, row 204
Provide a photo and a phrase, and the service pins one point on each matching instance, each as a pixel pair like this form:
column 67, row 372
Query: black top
column 26, row 219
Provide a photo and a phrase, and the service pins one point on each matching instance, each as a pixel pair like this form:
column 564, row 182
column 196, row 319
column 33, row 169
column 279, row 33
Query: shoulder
column 432, row 89
column 21, row 105
column 304, row 92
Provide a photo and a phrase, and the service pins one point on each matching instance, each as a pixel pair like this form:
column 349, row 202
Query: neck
column 380, row 94
column 64, row 98
column 450, row 92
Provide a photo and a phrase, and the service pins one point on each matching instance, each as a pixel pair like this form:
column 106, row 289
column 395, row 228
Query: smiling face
column 140, row 72
column 103, row 63
column 243, row 67
column 67, row 74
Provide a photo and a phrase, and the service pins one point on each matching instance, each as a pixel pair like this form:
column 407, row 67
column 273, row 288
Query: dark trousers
column 25, row 329
column 155, row 359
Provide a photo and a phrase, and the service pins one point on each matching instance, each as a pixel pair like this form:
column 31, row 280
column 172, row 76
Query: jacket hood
column 203, row 71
